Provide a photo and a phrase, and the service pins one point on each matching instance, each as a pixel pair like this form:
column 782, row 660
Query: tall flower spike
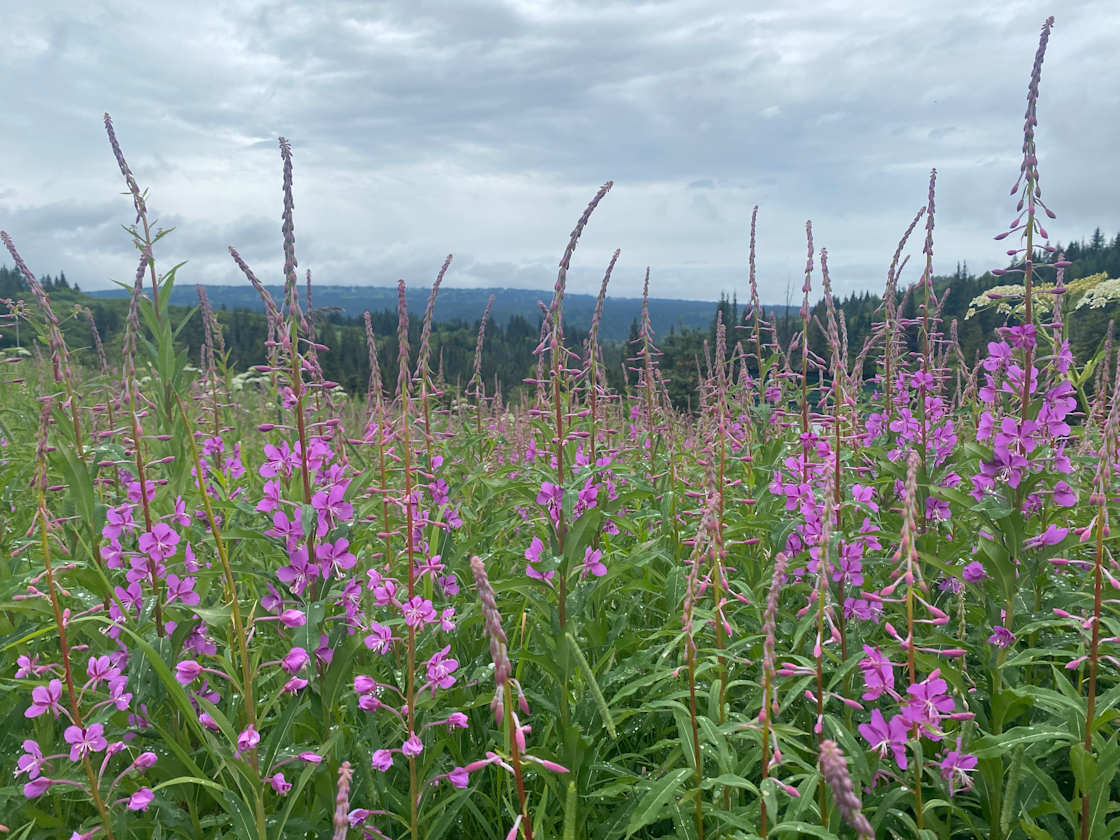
column 426, row 330
column 402, row 339
column 288, row 228
column 60, row 355
column 342, row 802
column 755, row 305
column 597, row 317
column 498, row 640
column 373, row 391
column 133, row 187
column 476, row 378
column 835, row 771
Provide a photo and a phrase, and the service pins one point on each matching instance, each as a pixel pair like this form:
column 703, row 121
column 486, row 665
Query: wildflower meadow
column 250, row 604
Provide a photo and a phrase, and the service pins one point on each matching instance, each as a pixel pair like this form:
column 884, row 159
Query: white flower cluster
column 1101, row 295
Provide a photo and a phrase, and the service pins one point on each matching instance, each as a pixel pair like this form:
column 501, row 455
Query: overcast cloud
column 483, row 127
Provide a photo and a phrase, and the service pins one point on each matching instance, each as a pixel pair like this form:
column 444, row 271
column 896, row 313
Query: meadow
column 248, row 604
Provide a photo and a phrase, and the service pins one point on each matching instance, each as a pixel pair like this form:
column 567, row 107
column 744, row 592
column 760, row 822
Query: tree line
column 507, row 357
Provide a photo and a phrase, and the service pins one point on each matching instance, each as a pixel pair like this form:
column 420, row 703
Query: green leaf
column 189, row 780
column 992, row 746
column 803, row 828
column 592, row 685
column 655, row 799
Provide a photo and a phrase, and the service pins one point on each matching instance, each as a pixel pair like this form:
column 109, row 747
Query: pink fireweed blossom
column 295, row 661
column 440, row 669
column 99, row 668
column 883, row 737
column 181, row 590
column 332, row 508
column 878, row 673
column 413, row 746
column 865, row 495
column 533, row 555
column 335, row 556
column 593, row 563
column 141, row 799
column 31, row 761
column 28, row 666
column 299, row 572
column 288, row 529
column 533, row 552
column 187, row 671
column 380, row 638
column 974, row 572
column 279, row 460
column 248, row 739
column 418, row 611
column 382, row 760
column 928, row 702
column 159, row 543
column 271, row 498
column 1051, row 536
column 551, row 496
column 1001, row 637
column 955, row 768
column 280, row 784
column 85, row 741
column 118, row 519
column 45, row 698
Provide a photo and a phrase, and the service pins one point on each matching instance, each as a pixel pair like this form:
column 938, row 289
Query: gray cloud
column 483, row 127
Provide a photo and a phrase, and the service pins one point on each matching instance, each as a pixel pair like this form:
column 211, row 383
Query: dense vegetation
column 859, row 591
column 507, row 357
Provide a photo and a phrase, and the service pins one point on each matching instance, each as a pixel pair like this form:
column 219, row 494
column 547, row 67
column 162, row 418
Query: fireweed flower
column 1064, row 495
column 418, row 611
column 928, row 702
column 551, row 496
column 1051, row 536
column 272, row 497
column 279, row 460
column 878, row 673
column 31, row 761
column 288, row 529
column 335, row 557
column 280, row 784
column 82, row 742
column 533, row 555
column 381, row 760
column 974, row 572
column 248, row 739
column 955, row 768
column 187, row 671
column 45, row 698
column 413, row 746
column 1001, row 637
column 440, row 669
column 380, row 638
column 295, row 660
column 592, row 563
column 181, row 589
column 332, row 508
column 140, row 800
column 883, row 737
column 159, row 543
column 299, row 572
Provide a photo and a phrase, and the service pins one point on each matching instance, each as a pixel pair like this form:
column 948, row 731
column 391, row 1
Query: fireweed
column 247, row 613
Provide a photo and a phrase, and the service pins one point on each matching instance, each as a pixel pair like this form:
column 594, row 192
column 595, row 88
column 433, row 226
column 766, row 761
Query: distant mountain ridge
column 467, row 305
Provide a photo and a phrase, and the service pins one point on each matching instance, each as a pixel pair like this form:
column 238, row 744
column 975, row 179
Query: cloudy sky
column 483, row 127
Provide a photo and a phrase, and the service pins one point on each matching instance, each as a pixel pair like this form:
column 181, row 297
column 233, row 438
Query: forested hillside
column 507, row 357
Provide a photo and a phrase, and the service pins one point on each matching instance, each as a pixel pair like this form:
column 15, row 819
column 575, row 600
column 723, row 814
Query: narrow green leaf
column 592, row 685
